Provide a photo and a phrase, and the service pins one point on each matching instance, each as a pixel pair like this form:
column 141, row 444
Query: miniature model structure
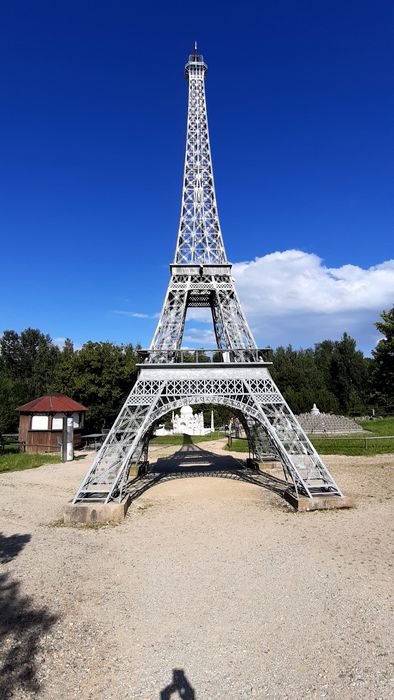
column 186, row 422
column 237, row 375
column 41, row 422
column 189, row 423
column 317, row 423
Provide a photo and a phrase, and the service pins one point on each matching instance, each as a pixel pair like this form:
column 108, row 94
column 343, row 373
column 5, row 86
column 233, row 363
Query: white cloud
column 200, row 337
column 194, row 313
column 292, row 297
column 294, row 280
column 135, row 314
column 59, row 342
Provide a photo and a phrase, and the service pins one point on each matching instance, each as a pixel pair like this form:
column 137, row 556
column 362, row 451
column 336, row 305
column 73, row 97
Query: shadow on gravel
column 11, row 546
column 193, row 461
column 179, row 688
column 21, row 627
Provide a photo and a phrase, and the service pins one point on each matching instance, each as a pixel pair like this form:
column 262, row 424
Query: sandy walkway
column 212, row 576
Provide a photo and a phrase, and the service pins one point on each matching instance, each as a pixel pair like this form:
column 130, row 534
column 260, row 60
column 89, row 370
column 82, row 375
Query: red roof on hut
column 52, row 403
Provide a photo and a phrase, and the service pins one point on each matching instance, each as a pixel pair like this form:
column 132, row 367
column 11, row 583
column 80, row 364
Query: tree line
column 98, row 375
column 334, row 374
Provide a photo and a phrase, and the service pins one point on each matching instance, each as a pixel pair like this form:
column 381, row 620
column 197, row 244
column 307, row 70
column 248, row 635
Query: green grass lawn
column 186, row 439
column 357, row 445
column 238, row 445
column 17, row 461
column 354, row 446
column 167, row 440
column 384, row 426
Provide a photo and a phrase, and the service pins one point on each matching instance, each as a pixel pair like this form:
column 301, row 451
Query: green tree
column 335, row 376
column 100, row 376
column 194, row 356
column 12, row 394
column 187, row 356
column 383, row 361
column 302, row 380
column 30, row 356
column 349, row 375
column 27, row 365
column 221, row 414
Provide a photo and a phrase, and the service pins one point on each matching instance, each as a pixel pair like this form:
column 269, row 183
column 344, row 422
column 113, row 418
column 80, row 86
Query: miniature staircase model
column 236, row 375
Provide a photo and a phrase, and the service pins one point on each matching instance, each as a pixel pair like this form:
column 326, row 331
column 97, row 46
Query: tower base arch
column 246, row 388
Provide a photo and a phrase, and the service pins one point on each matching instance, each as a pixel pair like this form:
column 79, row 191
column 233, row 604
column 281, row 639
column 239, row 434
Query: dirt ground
column 211, row 588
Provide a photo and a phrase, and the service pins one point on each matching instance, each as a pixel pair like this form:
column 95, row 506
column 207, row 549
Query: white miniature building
column 186, row 422
column 190, row 423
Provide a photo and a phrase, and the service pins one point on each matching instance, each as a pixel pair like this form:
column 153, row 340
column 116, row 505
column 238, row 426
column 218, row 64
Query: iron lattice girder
column 204, row 286
column 247, row 388
column 199, row 236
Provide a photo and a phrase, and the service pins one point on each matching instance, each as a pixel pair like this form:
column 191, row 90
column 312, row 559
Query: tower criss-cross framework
column 235, row 375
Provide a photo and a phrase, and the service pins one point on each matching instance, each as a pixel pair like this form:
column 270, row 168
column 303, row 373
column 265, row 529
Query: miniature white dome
column 186, row 411
column 315, row 411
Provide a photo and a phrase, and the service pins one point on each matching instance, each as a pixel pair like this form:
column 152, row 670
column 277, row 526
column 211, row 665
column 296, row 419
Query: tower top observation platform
column 196, row 64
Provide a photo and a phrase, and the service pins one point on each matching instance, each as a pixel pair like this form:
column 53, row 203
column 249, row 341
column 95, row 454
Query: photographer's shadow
column 179, row 688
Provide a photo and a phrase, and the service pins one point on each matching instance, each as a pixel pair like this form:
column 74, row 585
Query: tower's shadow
column 193, row 461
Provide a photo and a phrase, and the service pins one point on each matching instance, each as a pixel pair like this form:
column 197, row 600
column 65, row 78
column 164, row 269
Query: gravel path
column 209, row 583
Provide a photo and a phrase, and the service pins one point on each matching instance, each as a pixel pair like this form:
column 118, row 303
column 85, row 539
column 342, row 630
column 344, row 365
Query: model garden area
column 211, row 523
column 334, row 375
column 213, row 518
column 177, row 587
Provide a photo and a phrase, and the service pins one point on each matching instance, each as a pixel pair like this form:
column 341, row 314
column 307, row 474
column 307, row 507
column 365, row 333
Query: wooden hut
column 41, row 422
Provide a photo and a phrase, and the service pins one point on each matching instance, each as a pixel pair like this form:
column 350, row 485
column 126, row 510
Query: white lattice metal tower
column 200, row 274
column 237, row 374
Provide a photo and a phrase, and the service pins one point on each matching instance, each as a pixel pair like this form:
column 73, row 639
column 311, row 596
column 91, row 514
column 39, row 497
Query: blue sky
column 92, row 129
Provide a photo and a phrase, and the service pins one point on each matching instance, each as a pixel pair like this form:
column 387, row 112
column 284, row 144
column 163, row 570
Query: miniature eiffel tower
column 236, row 375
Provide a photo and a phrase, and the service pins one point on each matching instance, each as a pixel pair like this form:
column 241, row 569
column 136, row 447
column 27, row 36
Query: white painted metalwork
column 236, row 375
column 201, row 274
column 199, row 237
